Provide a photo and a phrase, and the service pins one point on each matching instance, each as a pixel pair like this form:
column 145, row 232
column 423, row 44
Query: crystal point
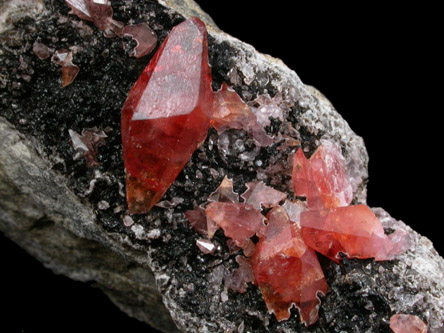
column 166, row 115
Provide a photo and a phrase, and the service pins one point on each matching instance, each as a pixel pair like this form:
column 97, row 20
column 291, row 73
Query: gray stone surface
column 46, row 190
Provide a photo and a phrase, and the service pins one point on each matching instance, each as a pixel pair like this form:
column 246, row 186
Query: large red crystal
column 323, row 178
column 354, row 230
column 166, row 115
column 286, row 270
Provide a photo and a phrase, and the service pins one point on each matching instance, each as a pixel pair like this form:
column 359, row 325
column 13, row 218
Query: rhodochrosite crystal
column 323, row 178
column 353, row 230
column 405, row 323
column 286, row 270
column 166, row 115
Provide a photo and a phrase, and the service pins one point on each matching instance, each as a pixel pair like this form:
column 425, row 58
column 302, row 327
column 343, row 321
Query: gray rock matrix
column 75, row 222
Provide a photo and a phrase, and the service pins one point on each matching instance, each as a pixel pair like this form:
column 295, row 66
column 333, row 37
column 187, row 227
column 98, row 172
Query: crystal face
column 323, row 178
column 286, row 270
column 166, row 115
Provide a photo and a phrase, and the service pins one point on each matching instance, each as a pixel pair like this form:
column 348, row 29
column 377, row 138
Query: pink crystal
column 353, row 230
column 166, row 115
column 286, row 270
column 406, row 323
column 239, row 279
column 231, row 112
column 80, row 9
column 294, row 210
column 41, row 50
column 323, row 178
column 258, row 194
column 239, row 221
column 69, row 70
column 144, row 36
column 224, row 192
column 198, row 219
column 88, row 143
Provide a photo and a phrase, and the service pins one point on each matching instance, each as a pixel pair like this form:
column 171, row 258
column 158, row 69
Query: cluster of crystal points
column 164, row 120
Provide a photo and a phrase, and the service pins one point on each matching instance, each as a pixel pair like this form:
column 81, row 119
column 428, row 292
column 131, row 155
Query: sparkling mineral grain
column 405, row 323
column 286, row 270
column 88, row 143
column 144, row 36
column 224, row 192
column 166, row 115
column 323, row 178
column 354, row 230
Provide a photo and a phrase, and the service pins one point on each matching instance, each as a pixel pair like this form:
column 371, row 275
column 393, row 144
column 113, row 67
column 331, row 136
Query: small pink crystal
column 69, row 70
column 144, row 36
column 230, row 111
column 258, row 194
column 294, row 209
column 41, row 50
column 406, row 323
column 286, row 270
column 353, row 230
column 239, row 279
column 238, row 221
column 88, row 143
column 323, row 178
column 198, row 219
column 80, row 9
column 224, row 192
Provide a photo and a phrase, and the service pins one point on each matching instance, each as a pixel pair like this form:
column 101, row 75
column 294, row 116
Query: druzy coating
column 286, row 270
column 166, row 115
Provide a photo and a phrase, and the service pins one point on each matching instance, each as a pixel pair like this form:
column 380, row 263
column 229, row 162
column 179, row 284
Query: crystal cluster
column 166, row 117
column 283, row 261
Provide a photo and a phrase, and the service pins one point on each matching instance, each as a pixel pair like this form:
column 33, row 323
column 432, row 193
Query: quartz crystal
column 354, row 230
column 166, row 115
column 286, row 270
column 405, row 323
column 323, row 178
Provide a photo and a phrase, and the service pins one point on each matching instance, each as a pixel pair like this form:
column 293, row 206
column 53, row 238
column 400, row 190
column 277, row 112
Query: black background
column 379, row 68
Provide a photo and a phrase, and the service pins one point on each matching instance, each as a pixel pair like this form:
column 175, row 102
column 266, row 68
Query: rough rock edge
column 46, row 219
column 33, row 217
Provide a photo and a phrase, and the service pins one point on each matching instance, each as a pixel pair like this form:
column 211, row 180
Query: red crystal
column 166, row 115
column 354, row 230
column 405, row 323
column 323, row 178
column 286, row 270
column 239, row 221
column 88, row 143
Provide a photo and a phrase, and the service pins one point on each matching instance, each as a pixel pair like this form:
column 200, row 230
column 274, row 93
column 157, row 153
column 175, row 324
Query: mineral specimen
column 258, row 194
column 166, row 115
column 88, row 143
column 69, row 70
column 405, row 323
column 286, row 270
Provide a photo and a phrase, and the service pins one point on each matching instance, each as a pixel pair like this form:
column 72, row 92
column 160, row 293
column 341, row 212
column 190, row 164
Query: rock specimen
column 54, row 206
column 166, row 115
